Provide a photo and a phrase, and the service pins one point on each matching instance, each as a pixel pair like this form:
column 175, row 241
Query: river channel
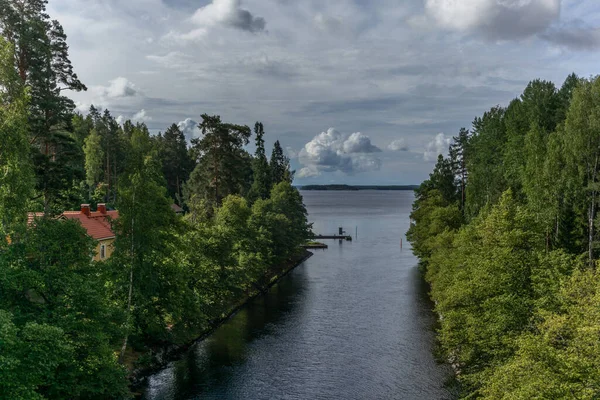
column 352, row 322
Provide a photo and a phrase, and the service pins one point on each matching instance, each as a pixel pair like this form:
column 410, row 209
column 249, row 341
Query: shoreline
column 171, row 352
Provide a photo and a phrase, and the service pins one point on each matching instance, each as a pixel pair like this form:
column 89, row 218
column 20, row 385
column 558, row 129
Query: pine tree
column 458, row 159
column 42, row 62
column 280, row 166
column 224, row 166
column 176, row 161
column 261, row 186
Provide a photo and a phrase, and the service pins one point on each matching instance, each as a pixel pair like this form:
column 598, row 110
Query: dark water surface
column 352, row 322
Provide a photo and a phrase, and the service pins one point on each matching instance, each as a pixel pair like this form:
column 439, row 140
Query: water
column 352, row 322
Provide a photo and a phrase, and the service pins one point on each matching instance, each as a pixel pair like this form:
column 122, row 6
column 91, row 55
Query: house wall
column 110, row 248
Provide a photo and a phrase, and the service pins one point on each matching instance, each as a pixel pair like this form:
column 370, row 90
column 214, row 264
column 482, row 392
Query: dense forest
column 506, row 228
column 71, row 327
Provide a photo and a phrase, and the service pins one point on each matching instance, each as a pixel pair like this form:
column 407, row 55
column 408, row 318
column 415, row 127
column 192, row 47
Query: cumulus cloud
column 117, row 88
column 141, row 116
column 228, row 13
column 190, row 129
column 398, row 145
column 332, row 151
column 439, row 145
column 496, row 19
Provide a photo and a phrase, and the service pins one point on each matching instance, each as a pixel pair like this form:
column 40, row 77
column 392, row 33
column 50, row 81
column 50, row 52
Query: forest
column 71, row 327
column 506, row 229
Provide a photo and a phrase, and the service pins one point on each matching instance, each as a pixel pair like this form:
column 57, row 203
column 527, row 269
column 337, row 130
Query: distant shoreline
column 358, row 187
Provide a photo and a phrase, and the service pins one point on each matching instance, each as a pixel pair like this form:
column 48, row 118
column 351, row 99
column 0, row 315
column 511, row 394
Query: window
column 102, row 252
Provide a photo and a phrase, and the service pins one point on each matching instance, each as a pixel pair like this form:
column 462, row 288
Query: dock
column 334, row 237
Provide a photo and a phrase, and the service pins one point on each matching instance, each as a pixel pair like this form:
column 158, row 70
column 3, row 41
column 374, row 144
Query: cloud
column 495, row 19
column 117, row 88
column 439, row 145
column 190, row 129
column 398, row 145
column 228, row 13
column 141, row 116
column 332, row 151
column 575, row 35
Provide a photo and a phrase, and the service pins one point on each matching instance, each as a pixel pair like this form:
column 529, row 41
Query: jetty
column 341, row 235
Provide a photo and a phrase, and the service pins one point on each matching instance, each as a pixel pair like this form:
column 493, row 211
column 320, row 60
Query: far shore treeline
column 359, row 187
column 506, row 229
column 73, row 328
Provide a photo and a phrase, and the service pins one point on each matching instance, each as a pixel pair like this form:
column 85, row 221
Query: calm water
column 352, row 322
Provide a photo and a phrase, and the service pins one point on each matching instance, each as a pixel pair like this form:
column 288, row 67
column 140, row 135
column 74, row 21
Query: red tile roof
column 97, row 224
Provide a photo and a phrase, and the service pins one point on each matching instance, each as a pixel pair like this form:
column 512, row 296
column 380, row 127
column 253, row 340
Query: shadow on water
column 211, row 363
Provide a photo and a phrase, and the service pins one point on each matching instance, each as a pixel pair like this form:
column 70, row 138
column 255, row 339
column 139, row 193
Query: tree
column 224, row 166
column 458, row 160
column 42, row 62
column 16, row 179
column 280, row 166
column 94, row 157
column 176, row 161
column 261, row 185
column 144, row 234
column 582, row 149
column 485, row 164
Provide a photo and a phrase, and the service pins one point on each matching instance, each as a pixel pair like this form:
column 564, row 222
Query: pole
column 356, row 235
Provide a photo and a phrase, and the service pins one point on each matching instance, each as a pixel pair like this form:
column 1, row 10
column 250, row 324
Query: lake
column 352, row 322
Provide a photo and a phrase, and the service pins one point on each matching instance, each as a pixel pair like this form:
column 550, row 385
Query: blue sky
column 358, row 92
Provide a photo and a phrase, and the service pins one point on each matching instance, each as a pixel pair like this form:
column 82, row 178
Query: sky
column 356, row 91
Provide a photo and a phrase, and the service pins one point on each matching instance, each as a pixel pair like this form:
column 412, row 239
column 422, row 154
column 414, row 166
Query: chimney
column 102, row 208
column 85, row 209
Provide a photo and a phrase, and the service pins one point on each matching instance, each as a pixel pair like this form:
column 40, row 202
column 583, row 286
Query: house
column 97, row 225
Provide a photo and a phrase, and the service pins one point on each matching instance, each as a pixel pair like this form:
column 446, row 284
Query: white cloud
column 439, row 145
column 228, row 13
column 117, row 88
column 496, row 19
column 190, row 129
column 141, row 116
column 332, row 151
column 398, row 145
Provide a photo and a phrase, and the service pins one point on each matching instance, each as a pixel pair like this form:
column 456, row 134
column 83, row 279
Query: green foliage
column 261, row 185
column 176, row 161
column 518, row 307
column 280, row 165
column 224, row 167
column 16, row 176
column 63, row 322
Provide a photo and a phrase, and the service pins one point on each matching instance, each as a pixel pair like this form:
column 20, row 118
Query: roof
column 176, row 208
column 97, row 224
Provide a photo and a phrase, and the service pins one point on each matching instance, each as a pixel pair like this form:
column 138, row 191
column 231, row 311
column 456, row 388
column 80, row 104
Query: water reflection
column 353, row 322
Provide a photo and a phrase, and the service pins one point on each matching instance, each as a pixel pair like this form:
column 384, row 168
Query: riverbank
column 158, row 357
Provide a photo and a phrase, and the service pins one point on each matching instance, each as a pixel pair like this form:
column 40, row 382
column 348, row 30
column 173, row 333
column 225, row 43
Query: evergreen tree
column 261, row 186
column 458, row 160
column 224, row 166
column 176, row 161
column 280, row 166
column 41, row 59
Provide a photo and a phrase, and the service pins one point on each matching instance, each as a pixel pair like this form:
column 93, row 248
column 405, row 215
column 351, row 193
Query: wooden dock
column 334, row 237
